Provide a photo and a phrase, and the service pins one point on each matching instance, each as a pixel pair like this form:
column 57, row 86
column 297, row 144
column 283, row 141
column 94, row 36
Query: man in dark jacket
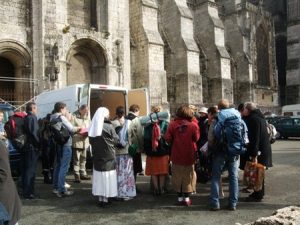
column 259, row 147
column 8, row 193
column 30, row 154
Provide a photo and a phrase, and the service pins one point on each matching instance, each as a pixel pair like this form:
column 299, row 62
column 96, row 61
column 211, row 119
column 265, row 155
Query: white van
column 95, row 96
column 291, row 110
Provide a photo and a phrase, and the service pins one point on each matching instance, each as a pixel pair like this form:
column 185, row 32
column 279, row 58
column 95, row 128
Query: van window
column 287, row 122
column 298, row 113
column 288, row 113
column 297, row 122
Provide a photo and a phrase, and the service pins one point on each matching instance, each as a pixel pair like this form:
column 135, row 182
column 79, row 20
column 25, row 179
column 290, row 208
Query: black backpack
column 45, row 129
column 60, row 132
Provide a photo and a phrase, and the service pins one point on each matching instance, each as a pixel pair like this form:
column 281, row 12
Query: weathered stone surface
column 286, row 216
column 184, row 51
column 293, row 53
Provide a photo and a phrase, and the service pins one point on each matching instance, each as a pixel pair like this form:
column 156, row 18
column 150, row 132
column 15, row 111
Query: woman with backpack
column 157, row 151
column 103, row 139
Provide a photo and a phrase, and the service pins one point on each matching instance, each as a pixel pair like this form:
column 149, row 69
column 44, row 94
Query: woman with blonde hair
column 103, row 139
column 182, row 133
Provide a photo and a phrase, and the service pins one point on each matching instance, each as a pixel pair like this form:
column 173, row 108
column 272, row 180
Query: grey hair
column 250, row 106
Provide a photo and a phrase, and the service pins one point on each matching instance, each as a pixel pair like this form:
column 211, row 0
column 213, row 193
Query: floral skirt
column 125, row 176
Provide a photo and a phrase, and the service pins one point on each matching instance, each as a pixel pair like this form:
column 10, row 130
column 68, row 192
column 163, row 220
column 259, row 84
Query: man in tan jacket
column 80, row 144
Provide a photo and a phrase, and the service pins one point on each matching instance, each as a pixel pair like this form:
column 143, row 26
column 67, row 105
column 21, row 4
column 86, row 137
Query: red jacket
column 183, row 135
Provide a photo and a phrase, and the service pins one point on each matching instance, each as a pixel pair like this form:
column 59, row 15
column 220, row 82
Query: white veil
column 97, row 122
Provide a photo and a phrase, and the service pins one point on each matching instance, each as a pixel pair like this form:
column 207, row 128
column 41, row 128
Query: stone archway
column 16, row 84
column 86, row 63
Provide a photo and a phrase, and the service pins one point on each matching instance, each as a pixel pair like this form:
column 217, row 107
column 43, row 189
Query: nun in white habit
column 103, row 140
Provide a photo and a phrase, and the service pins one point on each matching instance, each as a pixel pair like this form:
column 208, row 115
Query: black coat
column 31, row 127
column 103, row 148
column 203, row 126
column 8, row 193
column 258, row 138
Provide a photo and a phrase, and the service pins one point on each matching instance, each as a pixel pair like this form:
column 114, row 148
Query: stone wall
column 209, row 34
column 148, row 67
column 249, row 36
column 178, row 31
column 13, row 20
column 293, row 49
column 184, row 51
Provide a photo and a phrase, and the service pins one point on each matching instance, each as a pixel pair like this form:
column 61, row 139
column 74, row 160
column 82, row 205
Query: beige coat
column 79, row 141
column 136, row 134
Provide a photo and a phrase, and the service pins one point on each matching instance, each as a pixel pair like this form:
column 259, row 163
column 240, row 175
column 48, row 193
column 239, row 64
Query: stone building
column 293, row 53
column 278, row 9
column 184, row 51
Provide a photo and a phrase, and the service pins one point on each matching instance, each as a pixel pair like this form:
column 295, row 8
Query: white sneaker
column 127, row 198
column 55, row 191
column 67, row 185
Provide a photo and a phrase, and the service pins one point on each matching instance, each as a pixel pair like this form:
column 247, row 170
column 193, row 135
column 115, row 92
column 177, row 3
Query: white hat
column 203, row 110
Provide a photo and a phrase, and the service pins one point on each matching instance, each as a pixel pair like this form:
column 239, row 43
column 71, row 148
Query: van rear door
column 107, row 96
column 139, row 97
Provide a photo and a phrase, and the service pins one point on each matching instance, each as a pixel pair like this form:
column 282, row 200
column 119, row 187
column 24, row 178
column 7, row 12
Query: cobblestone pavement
column 282, row 189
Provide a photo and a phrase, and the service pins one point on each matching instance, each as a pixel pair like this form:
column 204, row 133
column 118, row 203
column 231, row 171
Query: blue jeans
column 63, row 158
column 29, row 160
column 219, row 162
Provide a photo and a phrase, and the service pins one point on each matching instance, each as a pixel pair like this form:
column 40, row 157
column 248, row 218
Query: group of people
column 178, row 142
column 117, row 144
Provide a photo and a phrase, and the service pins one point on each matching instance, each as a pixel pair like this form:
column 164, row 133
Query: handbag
column 254, row 174
column 132, row 150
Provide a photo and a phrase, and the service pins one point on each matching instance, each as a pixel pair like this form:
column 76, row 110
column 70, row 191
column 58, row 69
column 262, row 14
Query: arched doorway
column 7, row 86
column 16, row 86
column 86, row 63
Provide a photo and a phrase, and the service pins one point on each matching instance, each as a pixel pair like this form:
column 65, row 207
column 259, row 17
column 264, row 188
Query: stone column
column 38, row 32
column 149, row 61
column 209, row 34
column 58, row 36
column 177, row 26
column 118, row 42
column 237, row 35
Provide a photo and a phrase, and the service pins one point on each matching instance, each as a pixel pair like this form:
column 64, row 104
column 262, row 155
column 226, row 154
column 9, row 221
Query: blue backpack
column 233, row 136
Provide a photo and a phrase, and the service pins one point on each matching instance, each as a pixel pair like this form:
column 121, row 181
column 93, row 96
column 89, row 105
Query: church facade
column 183, row 51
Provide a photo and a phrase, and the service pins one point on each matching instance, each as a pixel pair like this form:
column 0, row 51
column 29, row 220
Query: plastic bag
column 254, row 174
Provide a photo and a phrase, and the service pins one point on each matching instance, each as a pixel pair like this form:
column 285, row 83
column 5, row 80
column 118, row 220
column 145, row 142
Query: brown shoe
column 84, row 177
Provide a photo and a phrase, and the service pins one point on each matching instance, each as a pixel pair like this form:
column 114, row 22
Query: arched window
column 263, row 58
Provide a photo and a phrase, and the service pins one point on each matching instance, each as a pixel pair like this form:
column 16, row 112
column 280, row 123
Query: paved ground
column 282, row 189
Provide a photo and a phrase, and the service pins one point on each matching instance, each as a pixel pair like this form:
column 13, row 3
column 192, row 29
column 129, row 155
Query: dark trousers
column 28, row 169
column 48, row 157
